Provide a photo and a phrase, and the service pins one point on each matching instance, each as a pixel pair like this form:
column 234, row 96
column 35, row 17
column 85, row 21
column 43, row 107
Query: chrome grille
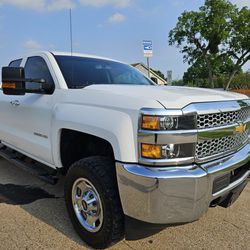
column 220, row 145
column 222, row 119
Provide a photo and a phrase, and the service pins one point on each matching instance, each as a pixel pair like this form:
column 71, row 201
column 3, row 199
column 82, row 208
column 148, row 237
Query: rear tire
column 93, row 202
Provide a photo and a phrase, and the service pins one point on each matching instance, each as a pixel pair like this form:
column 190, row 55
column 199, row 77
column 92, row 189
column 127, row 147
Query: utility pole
column 148, row 67
column 70, row 32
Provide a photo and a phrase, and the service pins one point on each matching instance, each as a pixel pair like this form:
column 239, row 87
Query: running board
column 27, row 164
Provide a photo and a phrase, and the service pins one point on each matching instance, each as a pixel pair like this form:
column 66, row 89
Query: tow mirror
column 13, row 81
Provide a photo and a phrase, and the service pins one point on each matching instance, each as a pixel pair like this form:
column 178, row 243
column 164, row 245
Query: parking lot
column 33, row 216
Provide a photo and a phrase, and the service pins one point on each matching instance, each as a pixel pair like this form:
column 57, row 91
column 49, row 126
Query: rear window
column 15, row 63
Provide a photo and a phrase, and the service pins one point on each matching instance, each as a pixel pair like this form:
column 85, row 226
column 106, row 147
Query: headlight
column 150, row 122
column 167, row 137
column 168, row 122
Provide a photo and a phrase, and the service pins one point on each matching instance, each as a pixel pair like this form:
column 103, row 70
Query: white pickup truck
column 158, row 154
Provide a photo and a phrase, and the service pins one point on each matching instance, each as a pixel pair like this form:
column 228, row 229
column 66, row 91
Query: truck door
column 32, row 114
column 7, row 109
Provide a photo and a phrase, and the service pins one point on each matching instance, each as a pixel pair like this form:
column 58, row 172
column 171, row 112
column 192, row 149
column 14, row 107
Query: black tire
column 100, row 171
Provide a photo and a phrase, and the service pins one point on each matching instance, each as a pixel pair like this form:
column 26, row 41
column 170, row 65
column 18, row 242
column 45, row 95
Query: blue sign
column 148, row 48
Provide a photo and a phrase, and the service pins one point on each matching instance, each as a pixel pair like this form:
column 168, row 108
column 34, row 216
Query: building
column 156, row 78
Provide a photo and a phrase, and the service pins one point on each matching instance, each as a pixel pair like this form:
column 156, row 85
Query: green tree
column 238, row 43
column 177, row 83
column 197, row 74
column 213, row 33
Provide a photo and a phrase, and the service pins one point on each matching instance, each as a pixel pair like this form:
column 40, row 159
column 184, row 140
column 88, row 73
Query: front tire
column 93, row 203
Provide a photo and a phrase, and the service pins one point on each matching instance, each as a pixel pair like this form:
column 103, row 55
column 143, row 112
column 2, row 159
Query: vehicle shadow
column 53, row 212
column 136, row 230
column 42, row 201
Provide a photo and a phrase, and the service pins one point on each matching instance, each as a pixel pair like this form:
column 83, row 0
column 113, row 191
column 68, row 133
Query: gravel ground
column 33, row 216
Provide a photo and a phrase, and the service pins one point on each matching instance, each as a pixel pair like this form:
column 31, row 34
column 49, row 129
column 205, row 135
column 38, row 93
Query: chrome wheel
column 87, row 205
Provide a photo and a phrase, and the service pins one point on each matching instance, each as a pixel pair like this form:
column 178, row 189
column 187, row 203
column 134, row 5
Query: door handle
column 15, row 103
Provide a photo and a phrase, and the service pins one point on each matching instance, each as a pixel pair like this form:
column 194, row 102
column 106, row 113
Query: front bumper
column 179, row 194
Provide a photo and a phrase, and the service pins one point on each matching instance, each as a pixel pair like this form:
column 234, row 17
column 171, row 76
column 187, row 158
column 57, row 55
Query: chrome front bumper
column 176, row 194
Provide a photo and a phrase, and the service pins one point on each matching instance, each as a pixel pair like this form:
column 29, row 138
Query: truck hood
column 169, row 96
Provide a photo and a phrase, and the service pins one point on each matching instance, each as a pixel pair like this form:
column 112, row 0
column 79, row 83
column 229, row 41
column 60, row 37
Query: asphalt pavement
column 33, row 216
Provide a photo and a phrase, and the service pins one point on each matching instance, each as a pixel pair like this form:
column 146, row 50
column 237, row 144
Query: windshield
column 79, row 72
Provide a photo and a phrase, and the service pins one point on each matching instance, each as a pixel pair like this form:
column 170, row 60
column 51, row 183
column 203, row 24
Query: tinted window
column 36, row 68
column 80, row 71
column 15, row 63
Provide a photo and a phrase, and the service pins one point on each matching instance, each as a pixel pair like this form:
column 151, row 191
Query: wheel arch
column 114, row 127
column 76, row 145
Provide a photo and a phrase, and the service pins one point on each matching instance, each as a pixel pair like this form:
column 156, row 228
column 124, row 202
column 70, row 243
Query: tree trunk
column 210, row 73
column 230, row 79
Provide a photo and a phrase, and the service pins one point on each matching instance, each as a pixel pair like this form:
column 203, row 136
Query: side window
column 15, row 63
column 36, row 68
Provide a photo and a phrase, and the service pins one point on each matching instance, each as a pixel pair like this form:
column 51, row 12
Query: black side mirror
column 13, row 81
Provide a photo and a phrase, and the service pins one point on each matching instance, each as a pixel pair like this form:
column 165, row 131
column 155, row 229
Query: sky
column 109, row 28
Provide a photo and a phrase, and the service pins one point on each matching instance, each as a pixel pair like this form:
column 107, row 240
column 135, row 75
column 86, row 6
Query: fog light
column 151, row 151
column 167, row 151
column 170, row 151
column 160, row 151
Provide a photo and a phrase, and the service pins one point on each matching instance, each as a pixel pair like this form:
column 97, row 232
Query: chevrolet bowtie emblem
column 240, row 129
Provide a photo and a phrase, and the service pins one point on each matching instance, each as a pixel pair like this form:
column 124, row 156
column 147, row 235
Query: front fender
column 112, row 125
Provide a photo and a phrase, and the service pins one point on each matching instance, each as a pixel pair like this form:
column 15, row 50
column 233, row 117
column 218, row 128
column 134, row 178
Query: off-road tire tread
column 104, row 170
